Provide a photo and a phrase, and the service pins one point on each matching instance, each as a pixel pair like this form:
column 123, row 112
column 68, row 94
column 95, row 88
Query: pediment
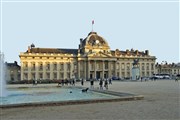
column 99, row 54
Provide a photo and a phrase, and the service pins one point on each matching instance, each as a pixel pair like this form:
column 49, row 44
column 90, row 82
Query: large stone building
column 92, row 59
column 171, row 69
column 12, row 73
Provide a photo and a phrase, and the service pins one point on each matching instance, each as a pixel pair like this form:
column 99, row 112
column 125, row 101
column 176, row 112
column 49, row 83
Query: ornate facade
column 167, row 68
column 93, row 59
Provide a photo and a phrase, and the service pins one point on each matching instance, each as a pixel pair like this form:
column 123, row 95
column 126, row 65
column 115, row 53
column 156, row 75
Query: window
column 117, row 66
column 106, row 65
column 128, row 66
column 62, row 66
column 55, row 66
column 122, row 66
column 47, row 66
column 147, row 66
column 55, row 76
column 40, row 76
column 41, row 66
column 62, row 75
column 48, row 75
column 152, row 66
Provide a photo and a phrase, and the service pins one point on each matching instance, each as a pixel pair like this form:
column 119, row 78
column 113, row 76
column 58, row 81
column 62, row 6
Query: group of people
column 101, row 81
column 66, row 82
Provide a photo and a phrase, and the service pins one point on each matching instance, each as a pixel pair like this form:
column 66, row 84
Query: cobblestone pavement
column 161, row 102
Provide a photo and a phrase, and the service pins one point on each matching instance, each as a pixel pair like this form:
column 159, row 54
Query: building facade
column 168, row 68
column 92, row 59
column 13, row 72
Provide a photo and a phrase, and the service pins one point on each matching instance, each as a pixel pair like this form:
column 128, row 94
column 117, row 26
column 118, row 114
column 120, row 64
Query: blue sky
column 125, row 25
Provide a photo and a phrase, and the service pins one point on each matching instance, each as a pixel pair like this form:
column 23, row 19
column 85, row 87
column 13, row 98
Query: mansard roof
column 128, row 53
column 15, row 64
column 53, row 50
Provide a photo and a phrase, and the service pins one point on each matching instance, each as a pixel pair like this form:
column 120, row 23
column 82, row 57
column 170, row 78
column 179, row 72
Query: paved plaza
column 161, row 102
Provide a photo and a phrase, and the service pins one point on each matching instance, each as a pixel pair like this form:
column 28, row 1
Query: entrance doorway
column 91, row 76
column 98, row 75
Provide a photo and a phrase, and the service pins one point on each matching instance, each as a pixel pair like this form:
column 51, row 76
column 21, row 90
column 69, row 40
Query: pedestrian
column 106, row 84
column 62, row 82
column 110, row 81
column 73, row 82
column 92, row 83
column 101, row 84
column 82, row 82
column 176, row 79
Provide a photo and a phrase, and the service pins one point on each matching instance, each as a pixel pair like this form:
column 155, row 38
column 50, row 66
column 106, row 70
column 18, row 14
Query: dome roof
column 93, row 39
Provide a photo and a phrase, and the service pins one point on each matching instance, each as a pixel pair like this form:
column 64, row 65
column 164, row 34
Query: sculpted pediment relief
column 99, row 54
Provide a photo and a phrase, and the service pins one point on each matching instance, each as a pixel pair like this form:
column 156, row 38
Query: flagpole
column 92, row 27
column 92, row 24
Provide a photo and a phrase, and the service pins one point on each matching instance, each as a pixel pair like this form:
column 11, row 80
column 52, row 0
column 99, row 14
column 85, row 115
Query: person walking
column 101, row 84
column 110, row 81
column 82, row 82
column 176, row 79
column 106, row 84
column 92, row 84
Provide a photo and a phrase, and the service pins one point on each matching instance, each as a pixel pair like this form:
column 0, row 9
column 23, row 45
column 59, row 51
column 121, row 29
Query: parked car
column 116, row 78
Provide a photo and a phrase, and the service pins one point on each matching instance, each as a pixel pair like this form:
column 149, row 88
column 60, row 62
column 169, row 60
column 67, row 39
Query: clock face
column 97, row 41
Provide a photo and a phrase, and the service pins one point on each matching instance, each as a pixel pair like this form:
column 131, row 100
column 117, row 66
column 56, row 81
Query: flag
column 93, row 22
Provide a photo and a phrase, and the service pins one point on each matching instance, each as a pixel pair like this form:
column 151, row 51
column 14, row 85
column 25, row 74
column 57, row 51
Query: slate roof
column 53, row 50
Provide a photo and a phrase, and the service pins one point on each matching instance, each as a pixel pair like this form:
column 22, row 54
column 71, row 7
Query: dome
column 94, row 39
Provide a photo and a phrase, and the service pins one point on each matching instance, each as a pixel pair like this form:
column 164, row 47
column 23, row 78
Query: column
column 29, row 71
column 65, row 70
column 22, row 71
column 120, row 70
column 115, row 74
column 145, row 69
column 88, row 70
column 78, row 69
column 51, row 70
column 140, row 70
column 109, row 69
column 36, row 71
column 84, row 69
column 71, row 70
column 58, row 70
column 44, row 70
column 103, row 69
column 95, row 69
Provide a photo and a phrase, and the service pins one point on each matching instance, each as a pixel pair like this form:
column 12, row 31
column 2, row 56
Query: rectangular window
column 40, row 76
column 48, row 66
column 117, row 66
column 122, row 66
column 41, row 66
column 55, row 66
column 55, row 76
column 62, row 75
column 48, row 75
column 128, row 66
column 152, row 66
column 62, row 66
column 106, row 65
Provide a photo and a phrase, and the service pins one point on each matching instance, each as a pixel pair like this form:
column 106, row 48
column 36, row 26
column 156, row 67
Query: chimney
column 29, row 50
column 81, row 39
column 136, row 52
column 15, row 62
column 147, row 52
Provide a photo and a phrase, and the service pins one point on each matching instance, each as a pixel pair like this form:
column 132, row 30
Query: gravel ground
column 161, row 102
